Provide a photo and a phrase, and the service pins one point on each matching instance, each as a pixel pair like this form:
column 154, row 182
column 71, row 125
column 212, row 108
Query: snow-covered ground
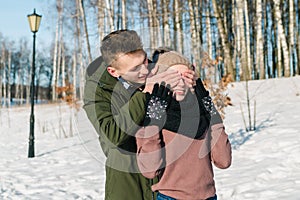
column 69, row 164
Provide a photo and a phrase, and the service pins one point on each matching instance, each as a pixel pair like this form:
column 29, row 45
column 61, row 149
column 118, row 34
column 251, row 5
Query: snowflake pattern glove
column 207, row 102
column 157, row 104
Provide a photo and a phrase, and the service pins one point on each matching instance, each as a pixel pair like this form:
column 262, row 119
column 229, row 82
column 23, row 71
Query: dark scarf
column 188, row 117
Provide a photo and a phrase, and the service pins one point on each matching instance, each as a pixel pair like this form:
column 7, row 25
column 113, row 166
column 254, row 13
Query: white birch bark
column 259, row 41
column 3, row 62
column 79, row 54
column 229, row 65
column 237, row 40
column 109, row 12
column 282, row 37
column 63, row 67
column 193, row 32
column 54, row 64
column 242, row 41
column 208, row 30
column 151, row 23
column 74, row 71
column 291, row 31
column 1, row 74
column 166, row 25
column 247, row 35
column 60, row 43
column 8, row 78
column 178, row 30
column 100, row 16
column 85, row 28
column 124, row 20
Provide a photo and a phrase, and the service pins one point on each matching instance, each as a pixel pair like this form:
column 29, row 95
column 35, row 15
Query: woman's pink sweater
column 183, row 164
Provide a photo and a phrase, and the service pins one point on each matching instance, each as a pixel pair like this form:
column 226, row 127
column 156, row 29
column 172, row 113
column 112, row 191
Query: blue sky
column 14, row 24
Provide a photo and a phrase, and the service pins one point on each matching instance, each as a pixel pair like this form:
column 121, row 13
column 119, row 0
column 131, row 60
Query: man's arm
column 118, row 127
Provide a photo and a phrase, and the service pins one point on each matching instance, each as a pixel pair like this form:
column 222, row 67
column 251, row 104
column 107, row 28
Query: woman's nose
column 181, row 82
column 144, row 69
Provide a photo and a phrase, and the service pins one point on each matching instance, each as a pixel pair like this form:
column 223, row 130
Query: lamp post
column 34, row 23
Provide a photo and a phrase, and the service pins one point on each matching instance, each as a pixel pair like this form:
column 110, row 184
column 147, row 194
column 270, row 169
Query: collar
column 125, row 83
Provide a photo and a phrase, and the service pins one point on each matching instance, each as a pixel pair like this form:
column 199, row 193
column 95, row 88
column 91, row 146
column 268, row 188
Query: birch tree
column 291, row 33
column 208, row 29
column 194, row 42
column 282, row 38
column 4, row 72
column 178, row 27
column 2, row 69
column 124, row 19
column 229, row 66
column 165, row 23
column 110, row 14
column 259, row 41
column 8, row 78
column 85, row 28
column 100, row 17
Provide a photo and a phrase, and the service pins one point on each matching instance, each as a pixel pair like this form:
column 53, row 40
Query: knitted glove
column 157, row 104
column 206, row 101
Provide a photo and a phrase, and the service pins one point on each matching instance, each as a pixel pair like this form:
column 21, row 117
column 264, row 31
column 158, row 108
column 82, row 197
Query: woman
column 192, row 138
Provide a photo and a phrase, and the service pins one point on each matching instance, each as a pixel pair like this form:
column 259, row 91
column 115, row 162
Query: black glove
column 205, row 101
column 157, row 104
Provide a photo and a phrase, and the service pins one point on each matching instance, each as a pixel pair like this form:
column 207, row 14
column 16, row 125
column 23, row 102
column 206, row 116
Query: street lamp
column 34, row 23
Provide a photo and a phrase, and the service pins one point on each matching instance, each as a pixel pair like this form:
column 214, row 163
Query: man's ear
column 112, row 71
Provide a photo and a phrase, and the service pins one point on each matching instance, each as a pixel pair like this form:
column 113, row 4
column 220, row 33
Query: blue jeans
column 165, row 197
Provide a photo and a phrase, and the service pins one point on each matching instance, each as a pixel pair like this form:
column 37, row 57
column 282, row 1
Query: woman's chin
column 179, row 97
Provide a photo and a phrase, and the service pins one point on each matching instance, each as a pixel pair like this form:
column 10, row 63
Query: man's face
column 132, row 67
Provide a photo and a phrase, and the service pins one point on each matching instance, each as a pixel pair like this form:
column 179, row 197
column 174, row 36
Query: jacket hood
column 96, row 71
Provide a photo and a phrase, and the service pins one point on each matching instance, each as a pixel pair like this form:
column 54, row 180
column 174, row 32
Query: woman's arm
column 149, row 151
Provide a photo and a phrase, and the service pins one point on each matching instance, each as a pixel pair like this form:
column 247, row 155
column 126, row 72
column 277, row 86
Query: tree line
column 248, row 39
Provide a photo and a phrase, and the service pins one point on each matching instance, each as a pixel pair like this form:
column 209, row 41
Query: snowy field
column 69, row 164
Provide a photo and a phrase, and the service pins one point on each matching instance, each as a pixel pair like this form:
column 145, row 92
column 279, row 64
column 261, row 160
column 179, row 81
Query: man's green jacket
column 116, row 114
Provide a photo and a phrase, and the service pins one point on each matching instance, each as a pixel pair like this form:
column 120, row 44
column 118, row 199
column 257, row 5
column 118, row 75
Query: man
column 114, row 100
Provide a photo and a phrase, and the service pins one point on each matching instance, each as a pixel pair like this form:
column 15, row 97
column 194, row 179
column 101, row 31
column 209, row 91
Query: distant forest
column 253, row 39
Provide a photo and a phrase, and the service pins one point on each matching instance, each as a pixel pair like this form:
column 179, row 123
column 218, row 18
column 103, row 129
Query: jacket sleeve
column 220, row 147
column 115, row 128
column 149, row 151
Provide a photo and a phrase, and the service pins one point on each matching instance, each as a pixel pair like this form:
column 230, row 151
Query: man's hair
column 118, row 43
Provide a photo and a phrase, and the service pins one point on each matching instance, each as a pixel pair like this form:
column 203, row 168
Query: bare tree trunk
column 166, row 25
column 291, row 33
column 88, row 47
column 124, row 20
column 101, row 24
column 54, row 69
column 229, row 66
column 195, row 46
column 2, row 65
column 208, row 30
column 63, row 67
column 8, row 79
column 241, row 27
column 259, row 41
column 110, row 15
column 151, row 23
column 238, row 40
column 60, row 43
column 178, row 27
column 247, row 35
column 79, row 52
column 298, row 56
column 74, row 71
column 4, row 74
column 283, row 42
